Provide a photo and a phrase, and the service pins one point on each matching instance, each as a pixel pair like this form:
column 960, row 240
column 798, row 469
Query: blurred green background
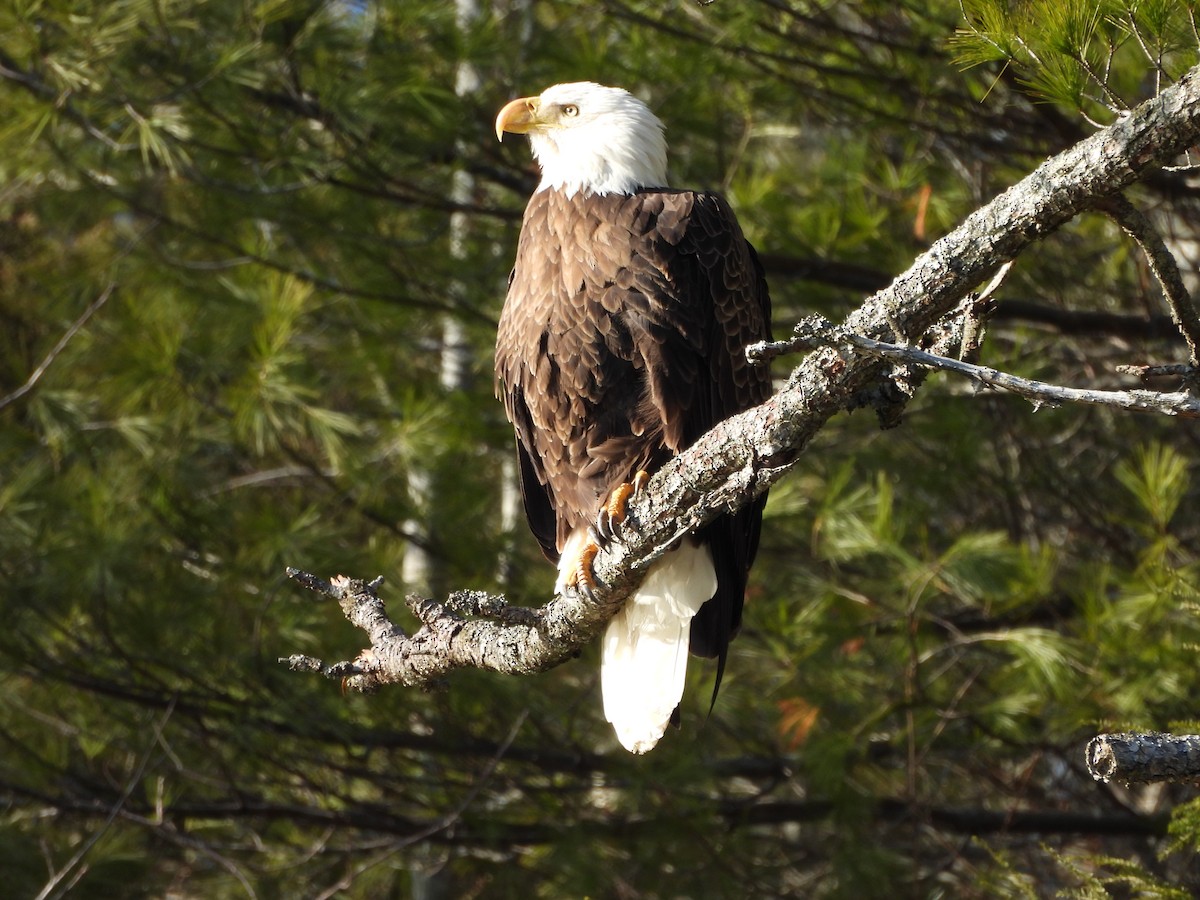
column 251, row 260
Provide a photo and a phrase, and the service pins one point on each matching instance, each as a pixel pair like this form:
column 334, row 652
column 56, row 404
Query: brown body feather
column 620, row 343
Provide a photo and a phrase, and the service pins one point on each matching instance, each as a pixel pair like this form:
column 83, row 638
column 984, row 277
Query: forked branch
column 817, row 332
column 1164, row 268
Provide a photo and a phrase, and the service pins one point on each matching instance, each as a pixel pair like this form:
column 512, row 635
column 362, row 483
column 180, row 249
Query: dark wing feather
column 535, row 495
column 723, row 269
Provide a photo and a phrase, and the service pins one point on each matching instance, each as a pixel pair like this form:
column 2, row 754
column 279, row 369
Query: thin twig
column 1116, row 103
column 815, row 331
column 765, row 351
column 1162, row 266
column 997, row 281
column 1167, row 370
column 433, row 828
column 168, row 831
column 58, row 348
column 54, row 886
column 977, row 312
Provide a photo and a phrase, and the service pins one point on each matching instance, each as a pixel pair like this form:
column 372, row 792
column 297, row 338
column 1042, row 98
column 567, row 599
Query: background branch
column 36, row 375
column 1136, row 758
column 1164, row 268
column 816, row 331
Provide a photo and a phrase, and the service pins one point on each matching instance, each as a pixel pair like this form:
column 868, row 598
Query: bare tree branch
column 744, row 455
column 1135, row 758
column 1086, row 322
column 816, row 331
column 1167, row 370
column 736, row 810
column 344, row 883
column 1164, row 268
column 58, row 348
column 75, row 866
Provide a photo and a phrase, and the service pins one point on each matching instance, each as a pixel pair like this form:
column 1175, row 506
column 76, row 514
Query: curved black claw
column 597, row 535
column 606, row 529
column 613, row 516
column 585, row 591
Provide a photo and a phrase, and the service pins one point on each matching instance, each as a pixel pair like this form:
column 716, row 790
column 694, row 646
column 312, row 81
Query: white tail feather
column 645, row 649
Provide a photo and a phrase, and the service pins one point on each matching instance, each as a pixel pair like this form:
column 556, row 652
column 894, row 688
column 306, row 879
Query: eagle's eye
column 570, row 110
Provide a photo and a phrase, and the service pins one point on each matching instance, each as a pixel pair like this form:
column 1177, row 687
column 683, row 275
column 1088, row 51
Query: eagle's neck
column 623, row 165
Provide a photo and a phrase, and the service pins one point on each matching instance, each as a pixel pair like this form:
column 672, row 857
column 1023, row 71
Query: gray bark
column 1134, row 758
column 815, row 331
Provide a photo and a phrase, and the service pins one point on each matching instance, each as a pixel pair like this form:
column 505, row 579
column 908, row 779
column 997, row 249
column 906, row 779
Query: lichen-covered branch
column 815, row 331
column 1134, row 758
column 746, row 454
column 1167, row 370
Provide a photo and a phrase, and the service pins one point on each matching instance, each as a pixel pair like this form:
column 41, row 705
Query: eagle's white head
column 590, row 138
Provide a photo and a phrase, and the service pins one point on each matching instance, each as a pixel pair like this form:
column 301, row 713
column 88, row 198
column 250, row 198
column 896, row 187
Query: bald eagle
column 621, row 342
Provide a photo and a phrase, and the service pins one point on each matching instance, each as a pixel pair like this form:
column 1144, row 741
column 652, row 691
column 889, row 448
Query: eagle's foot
column 615, row 511
column 580, row 576
column 614, row 514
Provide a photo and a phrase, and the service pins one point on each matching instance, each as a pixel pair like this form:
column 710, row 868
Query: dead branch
column 1167, row 370
column 1135, row 758
column 1163, row 267
column 816, row 331
column 58, row 348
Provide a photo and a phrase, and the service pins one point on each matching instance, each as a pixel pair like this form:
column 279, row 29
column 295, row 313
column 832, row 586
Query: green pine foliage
column 225, row 271
column 1100, row 58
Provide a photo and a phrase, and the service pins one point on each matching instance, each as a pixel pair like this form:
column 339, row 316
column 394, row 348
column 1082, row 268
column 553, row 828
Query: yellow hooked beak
column 519, row 117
